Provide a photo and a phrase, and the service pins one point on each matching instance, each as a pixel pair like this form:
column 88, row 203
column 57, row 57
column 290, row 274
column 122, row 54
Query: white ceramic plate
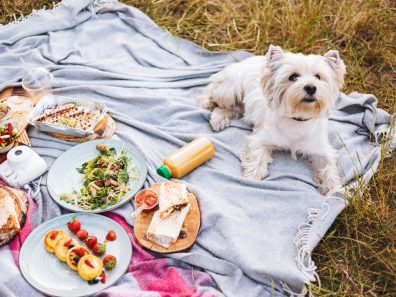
column 64, row 178
column 53, row 277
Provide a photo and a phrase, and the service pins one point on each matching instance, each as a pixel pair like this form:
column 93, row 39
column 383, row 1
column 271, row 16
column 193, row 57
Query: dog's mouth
column 308, row 99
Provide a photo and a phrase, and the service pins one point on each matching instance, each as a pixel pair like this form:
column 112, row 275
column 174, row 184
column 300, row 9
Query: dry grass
column 358, row 255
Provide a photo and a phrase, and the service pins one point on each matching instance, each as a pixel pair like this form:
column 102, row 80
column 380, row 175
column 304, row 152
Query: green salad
column 105, row 179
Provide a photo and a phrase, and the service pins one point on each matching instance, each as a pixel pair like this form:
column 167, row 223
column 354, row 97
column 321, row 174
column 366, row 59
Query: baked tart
column 52, row 238
column 89, row 267
column 74, row 255
column 63, row 246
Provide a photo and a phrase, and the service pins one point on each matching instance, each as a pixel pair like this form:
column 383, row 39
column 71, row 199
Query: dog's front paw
column 329, row 184
column 254, row 172
column 207, row 103
column 218, row 121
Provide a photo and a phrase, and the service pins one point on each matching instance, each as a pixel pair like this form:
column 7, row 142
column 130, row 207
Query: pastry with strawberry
column 52, row 238
column 63, row 246
column 89, row 267
column 74, row 255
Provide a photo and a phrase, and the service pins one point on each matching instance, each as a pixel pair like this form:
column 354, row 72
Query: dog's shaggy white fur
column 287, row 99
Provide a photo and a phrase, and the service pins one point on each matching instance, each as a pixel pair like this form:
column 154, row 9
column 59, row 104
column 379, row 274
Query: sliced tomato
column 147, row 197
column 9, row 126
column 151, row 200
column 139, row 200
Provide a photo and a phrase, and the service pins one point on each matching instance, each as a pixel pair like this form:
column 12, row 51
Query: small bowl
column 11, row 145
column 146, row 190
column 7, row 115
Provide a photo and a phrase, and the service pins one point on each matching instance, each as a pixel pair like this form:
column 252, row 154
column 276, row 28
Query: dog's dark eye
column 317, row 76
column 293, row 77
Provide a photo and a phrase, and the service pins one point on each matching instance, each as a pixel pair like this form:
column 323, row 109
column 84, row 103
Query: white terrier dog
column 287, row 99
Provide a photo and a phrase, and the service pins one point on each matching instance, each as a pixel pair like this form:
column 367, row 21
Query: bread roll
column 13, row 209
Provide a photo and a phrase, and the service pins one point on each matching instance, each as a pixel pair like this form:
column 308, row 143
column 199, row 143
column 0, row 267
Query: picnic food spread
column 105, row 180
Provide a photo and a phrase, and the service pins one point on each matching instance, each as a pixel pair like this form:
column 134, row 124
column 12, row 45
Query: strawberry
column 68, row 243
column 89, row 263
column 91, row 241
column 54, row 234
column 80, row 251
column 74, row 225
column 103, row 278
column 82, row 234
column 111, row 236
column 99, row 249
column 109, row 262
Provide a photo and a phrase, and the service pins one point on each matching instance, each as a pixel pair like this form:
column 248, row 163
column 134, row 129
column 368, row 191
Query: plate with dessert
column 75, row 255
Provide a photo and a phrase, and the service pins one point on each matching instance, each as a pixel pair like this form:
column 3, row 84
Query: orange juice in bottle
column 187, row 158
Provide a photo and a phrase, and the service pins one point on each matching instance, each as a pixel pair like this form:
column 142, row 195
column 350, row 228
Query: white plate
column 53, row 277
column 64, row 178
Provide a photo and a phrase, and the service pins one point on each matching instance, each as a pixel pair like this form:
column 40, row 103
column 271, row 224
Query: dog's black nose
column 310, row 89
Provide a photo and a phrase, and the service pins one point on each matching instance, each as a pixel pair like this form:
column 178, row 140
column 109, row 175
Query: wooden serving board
column 190, row 227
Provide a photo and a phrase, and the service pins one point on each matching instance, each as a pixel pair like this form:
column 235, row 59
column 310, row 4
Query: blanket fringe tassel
column 301, row 243
column 387, row 135
column 93, row 7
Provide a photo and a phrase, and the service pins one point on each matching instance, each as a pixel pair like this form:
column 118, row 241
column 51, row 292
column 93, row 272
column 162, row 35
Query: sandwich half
column 166, row 231
column 172, row 198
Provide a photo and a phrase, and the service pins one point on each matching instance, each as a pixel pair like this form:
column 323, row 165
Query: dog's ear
column 274, row 57
column 337, row 64
column 275, row 53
